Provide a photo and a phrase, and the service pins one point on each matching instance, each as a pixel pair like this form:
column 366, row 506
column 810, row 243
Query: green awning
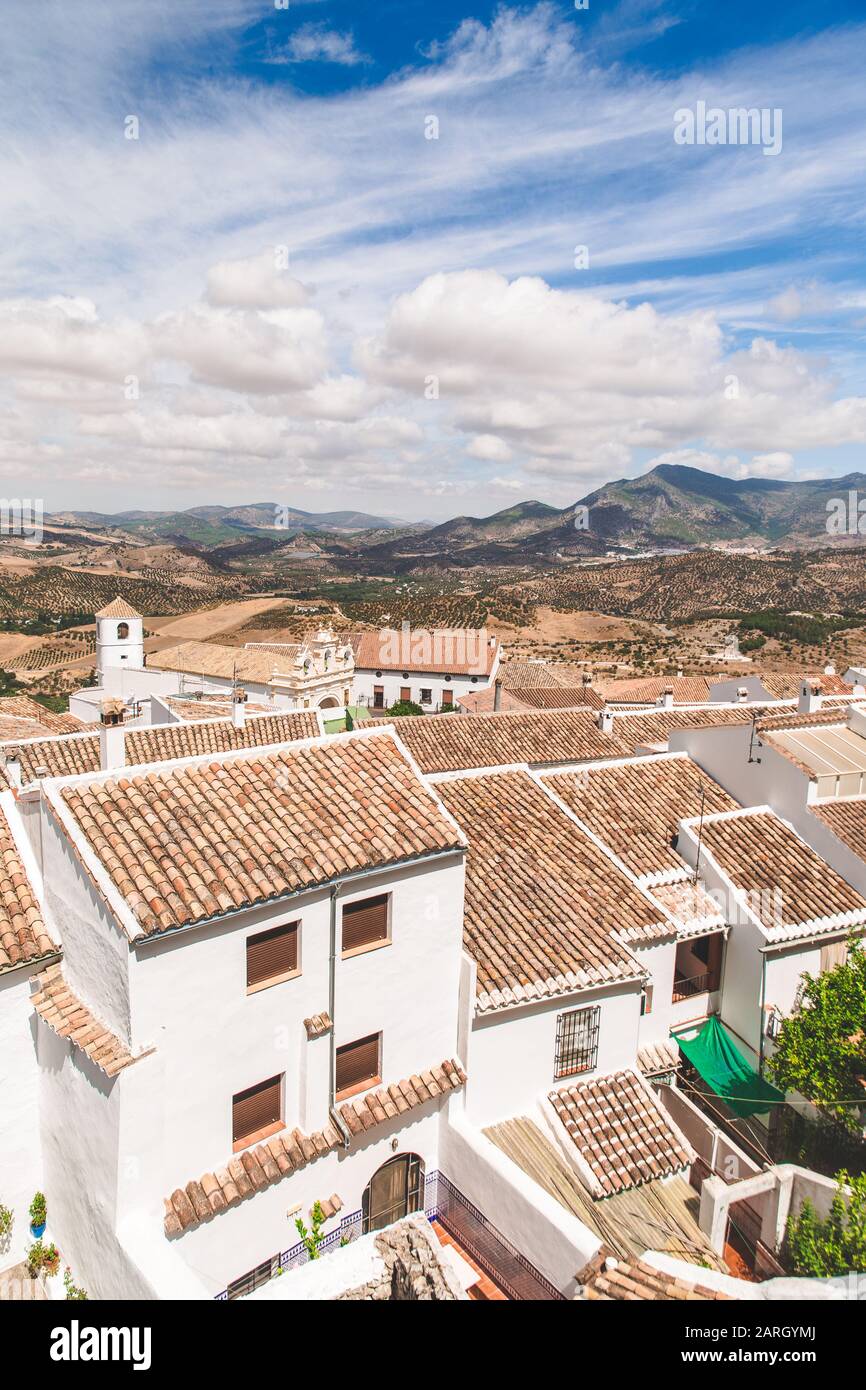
column 726, row 1071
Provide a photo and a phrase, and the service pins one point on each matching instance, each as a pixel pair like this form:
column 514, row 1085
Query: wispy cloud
column 404, row 257
column 315, row 43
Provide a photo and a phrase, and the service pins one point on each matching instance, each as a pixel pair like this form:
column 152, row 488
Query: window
column 272, row 956
column 122, row 631
column 358, row 1065
column 378, row 697
column 365, row 924
column 576, row 1041
column 447, row 699
column 426, row 697
column 257, row 1113
column 646, row 1001
column 405, row 693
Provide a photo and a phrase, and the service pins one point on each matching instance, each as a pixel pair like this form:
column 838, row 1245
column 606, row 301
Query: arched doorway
column 395, row 1190
column 329, row 702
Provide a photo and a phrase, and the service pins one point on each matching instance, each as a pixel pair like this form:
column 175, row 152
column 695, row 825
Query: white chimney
column 112, row 736
column 667, row 700
column 829, row 670
column 13, row 766
column 742, row 695
column 497, row 695
column 810, row 697
column 239, row 699
column 605, row 720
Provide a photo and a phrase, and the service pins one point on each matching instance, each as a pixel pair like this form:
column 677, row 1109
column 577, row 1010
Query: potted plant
column 34, row 1258
column 6, row 1219
column 50, row 1259
column 38, row 1215
column 73, row 1290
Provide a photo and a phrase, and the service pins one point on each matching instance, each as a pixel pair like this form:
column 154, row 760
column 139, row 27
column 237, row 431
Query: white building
column 430, row 668
column 412, row 967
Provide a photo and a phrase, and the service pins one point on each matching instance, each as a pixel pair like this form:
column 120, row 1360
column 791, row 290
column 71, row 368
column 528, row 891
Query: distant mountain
column 670, row 508
column 216, row 525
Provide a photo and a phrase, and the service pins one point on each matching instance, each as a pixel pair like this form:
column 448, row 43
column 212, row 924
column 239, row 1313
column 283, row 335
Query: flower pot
column 38, row 1231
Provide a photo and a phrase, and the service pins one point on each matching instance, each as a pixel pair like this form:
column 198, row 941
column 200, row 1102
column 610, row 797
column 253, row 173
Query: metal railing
column 688, row 988
column 490, row 1249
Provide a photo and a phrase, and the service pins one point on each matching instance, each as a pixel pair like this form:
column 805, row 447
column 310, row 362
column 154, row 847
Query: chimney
column 829, row 670
column 112, row 735
column 605, row 720
column 497, row 695
column 667, row 700
column 742, row 694
column 239, row 701
column 13, row 766
column 587, row 679
column 810, row 697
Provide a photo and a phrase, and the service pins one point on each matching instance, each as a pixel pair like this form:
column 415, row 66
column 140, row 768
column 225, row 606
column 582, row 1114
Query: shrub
column 835, row 1246
column 38, row 1209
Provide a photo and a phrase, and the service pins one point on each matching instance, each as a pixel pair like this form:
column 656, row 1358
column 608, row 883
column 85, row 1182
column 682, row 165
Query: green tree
column 313, row 1237
column 821, row 1050
column 405, row 707
column 837, row 1245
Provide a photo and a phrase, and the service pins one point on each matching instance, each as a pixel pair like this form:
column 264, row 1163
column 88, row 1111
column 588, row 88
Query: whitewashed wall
column 364, row 680
column 512, row 1051
column 21, row 1172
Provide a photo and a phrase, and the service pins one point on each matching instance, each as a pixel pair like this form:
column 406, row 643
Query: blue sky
column 282, row 288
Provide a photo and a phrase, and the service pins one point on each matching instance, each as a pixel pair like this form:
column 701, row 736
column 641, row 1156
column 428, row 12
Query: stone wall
column 414, row 1268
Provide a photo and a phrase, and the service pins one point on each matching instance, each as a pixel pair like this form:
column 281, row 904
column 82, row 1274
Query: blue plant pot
column 38, row 1231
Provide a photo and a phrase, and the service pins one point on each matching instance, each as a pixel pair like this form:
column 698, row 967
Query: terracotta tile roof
column 199, row 839
column 687, row 690
column 786, row 684
column 211, row 659
column 531, row 698
column 820, row 718
column 621, row 1133
column 23, row 934
column 542, row 901
column 254, row 1169
column 636, row 807
column 846, row 817
column 690, row 905
column 21, row 717
column 318, row 1025
column 649, row 729
column 118, row 608
column 67, row 756
column 657, row 1058
column 451, row 651
column 455, row 742
column 63, row 1011
column 640, row 1281
column 524, row 675
column 287, row 650
column 792, row 890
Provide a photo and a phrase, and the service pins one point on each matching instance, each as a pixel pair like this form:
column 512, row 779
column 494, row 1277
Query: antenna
column 700, row 832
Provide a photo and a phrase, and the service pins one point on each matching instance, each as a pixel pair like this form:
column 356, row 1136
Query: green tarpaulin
column 726, row 1071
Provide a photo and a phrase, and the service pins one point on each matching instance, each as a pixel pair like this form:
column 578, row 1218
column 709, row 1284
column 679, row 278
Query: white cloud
column 255, row 282
column 315, row 43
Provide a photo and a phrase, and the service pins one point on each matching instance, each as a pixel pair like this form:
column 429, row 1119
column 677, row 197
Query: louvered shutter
column 256, row 1108
column 365, row 922
column 272, row 953
column 358, row 1063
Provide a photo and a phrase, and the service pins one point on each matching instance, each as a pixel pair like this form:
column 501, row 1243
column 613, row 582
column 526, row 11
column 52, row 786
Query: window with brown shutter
column 833, row 955
column 447, row 699
column 365, row 924
column 258, row 1112
column 405, row 693
column 358, row 1065
column 272, row 956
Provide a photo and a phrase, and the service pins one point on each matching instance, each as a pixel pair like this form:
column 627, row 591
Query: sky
column 425, row 260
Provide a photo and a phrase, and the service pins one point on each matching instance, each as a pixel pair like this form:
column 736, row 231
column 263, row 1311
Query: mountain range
column 671, row 507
